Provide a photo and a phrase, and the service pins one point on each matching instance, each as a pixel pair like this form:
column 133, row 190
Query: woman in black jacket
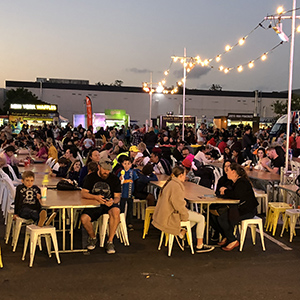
column 241, row 190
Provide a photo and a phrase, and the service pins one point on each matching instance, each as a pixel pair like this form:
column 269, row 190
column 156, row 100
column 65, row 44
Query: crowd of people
column 114, row 165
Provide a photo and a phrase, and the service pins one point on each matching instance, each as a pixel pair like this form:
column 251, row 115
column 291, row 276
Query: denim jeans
column 28, row 213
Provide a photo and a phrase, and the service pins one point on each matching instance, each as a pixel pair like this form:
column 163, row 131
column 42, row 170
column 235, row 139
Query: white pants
column 196, row 218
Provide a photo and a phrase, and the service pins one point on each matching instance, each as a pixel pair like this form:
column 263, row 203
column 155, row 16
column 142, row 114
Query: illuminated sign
column 44, row 107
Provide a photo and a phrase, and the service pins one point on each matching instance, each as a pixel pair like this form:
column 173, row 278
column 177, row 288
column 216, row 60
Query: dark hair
column 90, row 155
column 147, row 169
column 239, row 170
column 108, row 146
column 27, row 174
column 176, row 171
column 92, row 166
column 63, row 160
column 262, row 149
column 73, row 150
column 156, row 154
column 126, row 158
column 10, row 148
column 185, row 148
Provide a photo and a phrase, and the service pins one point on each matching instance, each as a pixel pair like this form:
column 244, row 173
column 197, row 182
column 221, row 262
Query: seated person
column 74, row 170
column 144, row 177
column 64, row 165
column 241, row 190
column 177, row 152
column 9, row 159
column 93, row 155
column 237, row 156
column 27, row 204
column 202, row 155
column 276, row 161
column 160, row 165
column 105, row 188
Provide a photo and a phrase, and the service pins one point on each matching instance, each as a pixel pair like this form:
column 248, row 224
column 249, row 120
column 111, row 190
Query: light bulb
column 221, row 68
column 298, row 28
column 218, row 58
column 163, row 81
column 264, row 56
column 240, row 68
column 227, row 48
column 166, row 73
column 280, row 10
column 179, row 83
column 175, row 58
column 251, row 64
column 241, row 41
column 226, row 70
column 206, row 62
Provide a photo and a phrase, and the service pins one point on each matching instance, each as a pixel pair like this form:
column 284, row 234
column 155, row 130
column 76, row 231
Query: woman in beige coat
column 171, row 210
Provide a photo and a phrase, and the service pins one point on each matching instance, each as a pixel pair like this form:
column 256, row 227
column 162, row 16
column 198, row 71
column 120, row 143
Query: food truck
column 33, row 114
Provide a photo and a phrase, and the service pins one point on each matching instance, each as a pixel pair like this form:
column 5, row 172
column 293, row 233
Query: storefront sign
column 39, row 107
column 237, row 116
column 115, row 114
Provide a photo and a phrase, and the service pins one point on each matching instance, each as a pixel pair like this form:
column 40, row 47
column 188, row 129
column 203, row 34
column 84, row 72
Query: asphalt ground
column 140, row 271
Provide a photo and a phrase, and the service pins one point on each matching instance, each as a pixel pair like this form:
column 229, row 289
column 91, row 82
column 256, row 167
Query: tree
column 20, row 95
column 215, row 87
column 280, row 107
column 118, row 82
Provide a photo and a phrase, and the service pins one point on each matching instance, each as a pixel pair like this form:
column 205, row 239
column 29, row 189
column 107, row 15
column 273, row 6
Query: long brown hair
column 239, row 170
column 176, row 171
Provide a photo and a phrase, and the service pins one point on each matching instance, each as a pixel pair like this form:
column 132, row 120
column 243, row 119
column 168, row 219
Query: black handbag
column 65, row 185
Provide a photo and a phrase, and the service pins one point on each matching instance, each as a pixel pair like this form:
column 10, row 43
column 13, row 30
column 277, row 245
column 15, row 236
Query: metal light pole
column 290, row 85
column 183, row 92
column 150, row 95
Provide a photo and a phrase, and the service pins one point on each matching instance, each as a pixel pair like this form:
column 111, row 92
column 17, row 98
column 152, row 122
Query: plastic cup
column 44, row 193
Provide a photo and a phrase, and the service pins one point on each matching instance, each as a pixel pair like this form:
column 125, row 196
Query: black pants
column 129, row 215
column 223, row 226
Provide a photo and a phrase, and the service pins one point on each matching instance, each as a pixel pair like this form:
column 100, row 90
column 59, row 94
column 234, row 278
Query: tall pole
column 183, row 92
column 150, row 108
column 290, row 86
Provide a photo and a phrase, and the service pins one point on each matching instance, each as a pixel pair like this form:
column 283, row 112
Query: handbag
column 65, row 185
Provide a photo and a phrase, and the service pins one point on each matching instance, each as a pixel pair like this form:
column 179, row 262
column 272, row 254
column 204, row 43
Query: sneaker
column 205, row 248
column 110, row 248
column 130, row 227
column 91, row 243
column 42, row 218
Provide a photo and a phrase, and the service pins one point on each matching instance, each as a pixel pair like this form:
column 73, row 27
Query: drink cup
column 44, row 193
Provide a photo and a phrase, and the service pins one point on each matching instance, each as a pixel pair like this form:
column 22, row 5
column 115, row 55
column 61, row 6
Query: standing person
column 105, row 188
column 128, row 177
column 247, row 142
column 202, row 134
column 137, row 136
column 171, row 210
column 241, row 190
column 150, row 139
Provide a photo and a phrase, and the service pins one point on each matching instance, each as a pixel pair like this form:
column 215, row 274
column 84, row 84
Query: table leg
column 207, row 224
column 71, row 229
column 64, row 228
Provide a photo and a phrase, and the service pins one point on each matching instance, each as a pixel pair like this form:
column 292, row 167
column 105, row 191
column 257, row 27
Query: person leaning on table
column 227, row 218
column 171, row 210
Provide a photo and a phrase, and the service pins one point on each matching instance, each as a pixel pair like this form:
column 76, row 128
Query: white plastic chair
column 170, row 238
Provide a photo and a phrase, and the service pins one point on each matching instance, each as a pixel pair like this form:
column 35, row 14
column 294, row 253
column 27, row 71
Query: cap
column 186, row 163
column 134, row 149
column 106, row 164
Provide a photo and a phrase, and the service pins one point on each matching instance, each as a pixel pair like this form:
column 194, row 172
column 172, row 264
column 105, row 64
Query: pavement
column 140, row 271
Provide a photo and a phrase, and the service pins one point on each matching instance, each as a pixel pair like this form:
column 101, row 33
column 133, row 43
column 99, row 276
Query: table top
column 67, row 199
column 198, row 194
column 262, row 175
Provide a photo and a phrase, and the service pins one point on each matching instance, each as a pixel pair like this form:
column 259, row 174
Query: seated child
column 92, row 167
column 64, row 165
column 140, row 190
column 27, row 204
column 127, row 177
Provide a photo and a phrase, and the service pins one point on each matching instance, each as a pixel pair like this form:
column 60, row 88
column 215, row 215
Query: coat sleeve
column 179, row 204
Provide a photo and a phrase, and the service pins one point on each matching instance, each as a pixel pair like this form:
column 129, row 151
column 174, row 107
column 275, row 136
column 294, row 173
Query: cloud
column 138, row 71
column 194, row 74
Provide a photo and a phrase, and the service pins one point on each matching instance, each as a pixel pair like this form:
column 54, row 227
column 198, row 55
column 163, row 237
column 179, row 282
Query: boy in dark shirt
column 27, row 204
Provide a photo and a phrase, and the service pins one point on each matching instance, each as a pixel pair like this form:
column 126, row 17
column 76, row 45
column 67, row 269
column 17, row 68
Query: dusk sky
column 104, row 41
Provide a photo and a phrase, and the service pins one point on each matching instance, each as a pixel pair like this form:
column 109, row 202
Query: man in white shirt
column 202, row 157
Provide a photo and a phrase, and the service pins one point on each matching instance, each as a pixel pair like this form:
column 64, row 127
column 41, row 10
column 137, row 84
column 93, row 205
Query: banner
column 89, row 112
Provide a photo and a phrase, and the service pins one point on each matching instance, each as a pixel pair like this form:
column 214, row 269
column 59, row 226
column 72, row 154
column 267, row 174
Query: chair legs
column 1, row 263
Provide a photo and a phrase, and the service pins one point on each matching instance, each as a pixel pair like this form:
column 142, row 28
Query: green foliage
column 215, row 87
column 280, row 107
column 20, row 95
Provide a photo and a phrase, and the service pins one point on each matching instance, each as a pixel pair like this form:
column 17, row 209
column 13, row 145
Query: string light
column 298, row 29
column 218, row 58
column 240, row 68
column 264, row 57
column 251, row 64
column 280, row 10
column 242, row 41
column 227, row 48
